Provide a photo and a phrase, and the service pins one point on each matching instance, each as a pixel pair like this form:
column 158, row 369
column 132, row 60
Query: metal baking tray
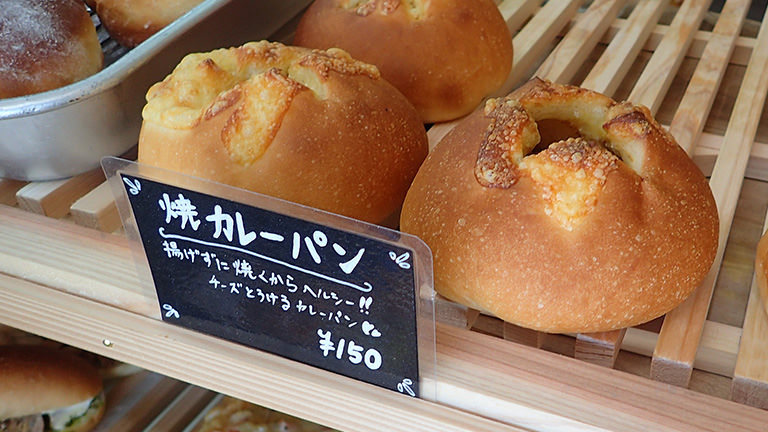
column 66, row 131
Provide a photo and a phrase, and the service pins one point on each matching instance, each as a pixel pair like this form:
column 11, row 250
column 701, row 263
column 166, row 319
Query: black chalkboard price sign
column 326, row 297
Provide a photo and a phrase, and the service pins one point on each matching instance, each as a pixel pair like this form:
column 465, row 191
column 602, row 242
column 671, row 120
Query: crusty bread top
column 267, row 75
column 45, row 45
column 36, row 379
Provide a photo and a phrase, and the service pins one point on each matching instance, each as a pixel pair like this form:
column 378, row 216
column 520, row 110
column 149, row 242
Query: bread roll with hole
column 445, row 56
column 606, row 228
column 131, row 22
column 45, row 45
column 313, row 127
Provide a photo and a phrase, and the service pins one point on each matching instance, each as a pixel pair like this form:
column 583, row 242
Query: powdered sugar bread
column 45, row 45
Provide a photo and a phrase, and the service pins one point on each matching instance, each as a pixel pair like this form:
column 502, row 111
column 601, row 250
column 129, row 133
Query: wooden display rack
column 66, row 270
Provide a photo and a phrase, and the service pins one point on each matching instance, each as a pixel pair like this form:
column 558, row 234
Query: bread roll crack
column 265, row 76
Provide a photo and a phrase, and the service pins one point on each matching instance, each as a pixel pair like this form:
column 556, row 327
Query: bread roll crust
column 45, row 45
column 131, row 22
column 312, row 127
column 443, row 55
column 633, row 252
column 38, row 379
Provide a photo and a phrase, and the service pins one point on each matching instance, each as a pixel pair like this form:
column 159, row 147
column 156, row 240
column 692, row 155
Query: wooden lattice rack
column 67, row 273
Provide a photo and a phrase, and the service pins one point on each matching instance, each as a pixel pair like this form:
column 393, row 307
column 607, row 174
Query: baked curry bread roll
column 45, row 45
column 609, row 226
column 445, row 56
column 309, row 126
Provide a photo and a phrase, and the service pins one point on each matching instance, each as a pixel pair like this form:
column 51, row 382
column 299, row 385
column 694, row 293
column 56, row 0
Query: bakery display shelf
column 67, row 273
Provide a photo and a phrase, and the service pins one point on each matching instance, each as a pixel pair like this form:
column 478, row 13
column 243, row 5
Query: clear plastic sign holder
column 293, row 256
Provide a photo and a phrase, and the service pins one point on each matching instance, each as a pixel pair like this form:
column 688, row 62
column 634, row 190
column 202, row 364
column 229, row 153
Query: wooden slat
column 717, row 350
column 618, row 57
column 564, row 61
column 694, row 108
column 741, row 53
column 750, row 379
column 182, row 411
column 679, row 338
column 8, row 189
column 53, row 198
column 97, row 209
column 600, row 349
column 532, row 41
column 668, row 56
column 524, row 336
column 145, row 410
column 516, row 12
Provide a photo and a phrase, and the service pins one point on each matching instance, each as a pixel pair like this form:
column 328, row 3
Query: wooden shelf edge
column 222, row 366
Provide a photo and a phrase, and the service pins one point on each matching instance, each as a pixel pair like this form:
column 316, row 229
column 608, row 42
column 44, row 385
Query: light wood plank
column 97, row 209
column 668, row 56
column 531, row 42
column 717, row 350
column 536, row 389
column 563, row 62
column 53, row 198
column 673, row 360
column 81, row 261
column 599, row 348
column 618, row 57
column 8, row 189
column 145, row 410
column 694, row 108
column 516, row 12
column 225, row 367
column 741, row 53
column 750, row 380
column 182, row 411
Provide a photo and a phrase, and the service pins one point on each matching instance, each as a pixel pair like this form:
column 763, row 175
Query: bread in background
column 445, row 56
column 45, row 45
column 131, row 22
column 234, row 415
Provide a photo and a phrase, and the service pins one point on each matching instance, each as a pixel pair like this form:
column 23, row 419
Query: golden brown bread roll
column 609, row 227
column 444, row 55
column 313, row 127
column 131, row 22
column 45, row 45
